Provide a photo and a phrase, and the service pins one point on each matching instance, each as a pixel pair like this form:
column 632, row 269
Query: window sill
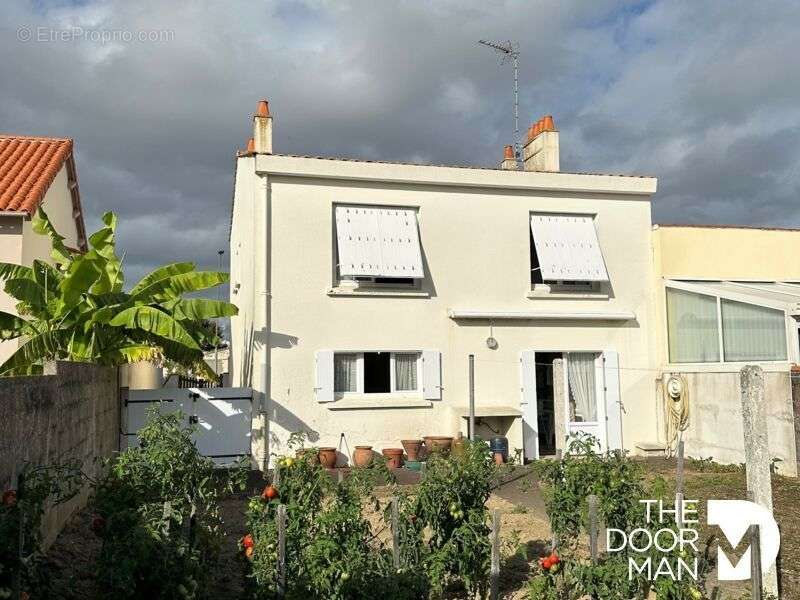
column 380, row 402
column 545, row 294
column 374, row 292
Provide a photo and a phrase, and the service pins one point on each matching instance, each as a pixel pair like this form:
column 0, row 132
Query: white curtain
column 405, row 372
column 752, row 332
column 345, row 373
column 582, row 391
column 692, row 327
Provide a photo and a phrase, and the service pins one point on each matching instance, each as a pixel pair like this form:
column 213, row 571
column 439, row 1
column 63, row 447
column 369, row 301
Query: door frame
column 597, row 428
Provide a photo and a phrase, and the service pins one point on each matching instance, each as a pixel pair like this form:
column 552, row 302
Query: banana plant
column 75, row 308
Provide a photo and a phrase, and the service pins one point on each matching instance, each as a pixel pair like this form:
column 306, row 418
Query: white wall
column 476, row 248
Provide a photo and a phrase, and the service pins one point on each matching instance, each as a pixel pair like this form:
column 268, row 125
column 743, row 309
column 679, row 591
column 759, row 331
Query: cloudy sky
column 702, row 94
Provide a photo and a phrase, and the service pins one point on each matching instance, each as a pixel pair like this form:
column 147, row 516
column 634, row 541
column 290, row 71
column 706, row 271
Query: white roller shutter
column 568, row 248
column 378, row 242
column 323, row 388
column 432, row 374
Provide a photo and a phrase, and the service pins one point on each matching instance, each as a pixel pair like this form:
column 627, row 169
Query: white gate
column 221, row 416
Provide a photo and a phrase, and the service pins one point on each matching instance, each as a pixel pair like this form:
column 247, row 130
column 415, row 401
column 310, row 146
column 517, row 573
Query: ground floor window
column 376, row 372
column 582, row 386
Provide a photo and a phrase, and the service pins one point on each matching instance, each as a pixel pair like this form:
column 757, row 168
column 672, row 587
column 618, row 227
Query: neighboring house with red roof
column 35, row 171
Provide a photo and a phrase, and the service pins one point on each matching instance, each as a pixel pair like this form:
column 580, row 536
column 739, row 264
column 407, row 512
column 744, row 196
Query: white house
column 364, row 287
column 35, row 171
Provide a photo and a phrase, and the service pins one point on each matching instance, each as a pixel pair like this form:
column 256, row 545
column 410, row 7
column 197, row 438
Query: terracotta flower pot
column 439, row 443
column 412, row 448
column 395, row 456
column 327, row 457
column 498, row 458
column 362, row 457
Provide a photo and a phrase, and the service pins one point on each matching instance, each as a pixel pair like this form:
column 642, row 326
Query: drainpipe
column 264, row 302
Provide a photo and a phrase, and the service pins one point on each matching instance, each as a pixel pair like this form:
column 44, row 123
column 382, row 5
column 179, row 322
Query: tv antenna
column 510, row 52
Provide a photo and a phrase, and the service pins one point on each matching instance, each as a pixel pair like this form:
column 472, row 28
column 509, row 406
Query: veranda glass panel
column 751, row 332
column 692, row 327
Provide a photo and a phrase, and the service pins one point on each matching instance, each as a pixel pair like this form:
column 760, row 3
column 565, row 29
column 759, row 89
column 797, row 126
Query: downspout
column 264, row 302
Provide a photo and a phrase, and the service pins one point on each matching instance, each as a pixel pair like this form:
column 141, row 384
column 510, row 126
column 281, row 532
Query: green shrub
column 158, row 515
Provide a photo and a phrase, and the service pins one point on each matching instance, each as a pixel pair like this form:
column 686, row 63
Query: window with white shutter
column 378, row 244
column 565, row 251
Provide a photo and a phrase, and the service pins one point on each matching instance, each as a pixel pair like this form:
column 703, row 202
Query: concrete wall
column 737, row 253
column 19, row 244
column 475, row 241
column 715, row 420
column 70, row 413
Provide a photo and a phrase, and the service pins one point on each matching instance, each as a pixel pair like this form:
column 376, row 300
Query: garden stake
column 495, row 572
column 281, row 519
column 339, row 476
column 276, row 476
column 593, row 503
column 679, row 487
column 755, row 561
column 395, row 532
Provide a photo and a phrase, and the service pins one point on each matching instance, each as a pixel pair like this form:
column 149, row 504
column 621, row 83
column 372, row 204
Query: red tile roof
column 28, row 165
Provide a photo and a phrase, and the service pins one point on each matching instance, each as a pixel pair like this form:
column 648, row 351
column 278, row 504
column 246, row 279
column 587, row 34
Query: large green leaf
column 103, row 244
column 11, row 326
column 47, row 276
column 81, row 275
column 156, row 322
column 48, row 345
column 12, row 271
column 28, row 292
column 197, row 309
column 159, row 274
column 195, row 281
column 41, row 224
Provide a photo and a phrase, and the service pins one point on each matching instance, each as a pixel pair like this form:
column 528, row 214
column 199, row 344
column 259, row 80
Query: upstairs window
column 378, row 245
column 565, row 253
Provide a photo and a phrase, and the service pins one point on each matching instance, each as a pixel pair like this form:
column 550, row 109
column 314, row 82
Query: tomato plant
column 158, row 515
column 44, row 486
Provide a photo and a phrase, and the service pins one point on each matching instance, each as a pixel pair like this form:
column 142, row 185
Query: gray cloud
column 701, row 94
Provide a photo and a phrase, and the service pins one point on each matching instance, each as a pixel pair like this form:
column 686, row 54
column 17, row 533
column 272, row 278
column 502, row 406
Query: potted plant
column 327, row 457
column 395, row 457
column 412, row 448
column 362, row 457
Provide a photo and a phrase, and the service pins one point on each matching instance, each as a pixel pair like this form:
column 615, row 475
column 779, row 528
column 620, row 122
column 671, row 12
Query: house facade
column 35, row 171
column 365, row 287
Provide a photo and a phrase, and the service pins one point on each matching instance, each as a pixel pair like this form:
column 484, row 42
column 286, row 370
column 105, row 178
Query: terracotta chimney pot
column 262, row 110
column 547, row 123
column 251, row 145
column 508, row 152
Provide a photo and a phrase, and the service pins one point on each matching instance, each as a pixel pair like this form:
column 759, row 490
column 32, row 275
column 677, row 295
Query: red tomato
column 554, row 558
column 270, row 493
column 98, row 524
column 247, row 541
column 547, row 563
column 9, row 498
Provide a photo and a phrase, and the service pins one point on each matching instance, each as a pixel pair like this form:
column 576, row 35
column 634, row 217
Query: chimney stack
column 262, row 129
column 509, row 162
column 540, row 152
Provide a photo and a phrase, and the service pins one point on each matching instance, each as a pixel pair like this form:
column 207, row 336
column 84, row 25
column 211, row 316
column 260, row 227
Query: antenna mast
column 510, row 51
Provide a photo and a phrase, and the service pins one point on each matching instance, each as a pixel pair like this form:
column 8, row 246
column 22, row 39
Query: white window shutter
column 613, row 400
column 530, row 415
column 432, row 374
column 323, row 387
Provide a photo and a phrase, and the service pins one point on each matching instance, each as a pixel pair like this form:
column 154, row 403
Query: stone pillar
column 560, row 403
column 756, row 449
